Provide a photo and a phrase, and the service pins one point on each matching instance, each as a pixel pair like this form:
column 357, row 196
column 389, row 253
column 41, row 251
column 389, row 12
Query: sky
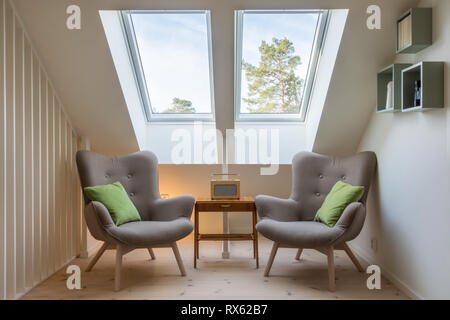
column 174, row 51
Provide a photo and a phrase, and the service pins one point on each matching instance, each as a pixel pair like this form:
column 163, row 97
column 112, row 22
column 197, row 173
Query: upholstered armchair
column 163, row 221
column 289, row 222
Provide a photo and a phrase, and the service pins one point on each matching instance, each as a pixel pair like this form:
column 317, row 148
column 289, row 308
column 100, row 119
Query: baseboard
column 369, row 260
column 20, row 296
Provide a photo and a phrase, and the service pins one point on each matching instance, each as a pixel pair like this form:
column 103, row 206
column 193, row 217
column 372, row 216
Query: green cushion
column 116, row 200
column 340, row 196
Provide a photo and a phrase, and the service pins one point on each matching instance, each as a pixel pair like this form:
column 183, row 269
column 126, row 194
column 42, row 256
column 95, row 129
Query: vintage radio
column 225, row 186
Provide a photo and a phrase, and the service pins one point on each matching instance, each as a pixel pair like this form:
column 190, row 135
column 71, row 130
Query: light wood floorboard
column 216, row 278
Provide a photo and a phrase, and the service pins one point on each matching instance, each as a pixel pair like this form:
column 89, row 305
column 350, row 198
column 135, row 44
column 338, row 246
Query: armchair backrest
column 313, row 176
column 137, row 172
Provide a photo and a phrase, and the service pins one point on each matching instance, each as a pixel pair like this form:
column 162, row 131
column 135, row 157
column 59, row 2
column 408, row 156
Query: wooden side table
column 245, row 204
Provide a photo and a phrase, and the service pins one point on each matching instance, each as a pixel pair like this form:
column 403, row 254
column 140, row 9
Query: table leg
column 225, row 230
column 255, row 239
column 196, row 228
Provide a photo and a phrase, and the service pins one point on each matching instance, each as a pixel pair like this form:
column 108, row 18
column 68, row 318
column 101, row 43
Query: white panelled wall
column 40, row 225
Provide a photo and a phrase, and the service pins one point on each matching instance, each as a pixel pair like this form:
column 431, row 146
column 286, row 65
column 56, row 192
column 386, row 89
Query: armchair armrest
column 347, row 217
column 98, row 220
column 276, row 208
column 351, row 221
column 173, row 208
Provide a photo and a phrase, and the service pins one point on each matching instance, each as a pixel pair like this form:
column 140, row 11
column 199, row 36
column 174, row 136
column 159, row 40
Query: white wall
column 409, row 206
column 40, row 222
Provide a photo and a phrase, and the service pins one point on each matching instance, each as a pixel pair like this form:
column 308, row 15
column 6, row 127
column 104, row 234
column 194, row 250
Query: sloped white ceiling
column 82, row 70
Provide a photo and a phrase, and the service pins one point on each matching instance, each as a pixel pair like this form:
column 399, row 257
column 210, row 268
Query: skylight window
column 171, row 54
column 276, row 56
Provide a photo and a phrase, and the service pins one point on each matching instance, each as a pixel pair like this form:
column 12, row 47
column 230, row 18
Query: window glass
column 274, row 60
column 172, row 51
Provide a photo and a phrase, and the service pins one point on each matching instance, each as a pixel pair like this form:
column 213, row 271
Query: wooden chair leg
column 271, row 258
column 178, row 257
column 97, row 256
column 331, row 277
column 119, row 254
column 152, row 254
column 353, row 258
column 299, row 253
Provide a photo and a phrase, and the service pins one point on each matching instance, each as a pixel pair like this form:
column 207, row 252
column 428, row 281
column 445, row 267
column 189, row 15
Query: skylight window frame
column 316, row 51
column 135, row 59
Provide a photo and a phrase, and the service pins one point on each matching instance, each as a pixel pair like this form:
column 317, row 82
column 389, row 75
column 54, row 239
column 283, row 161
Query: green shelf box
column 391, row 73
column 431, row 76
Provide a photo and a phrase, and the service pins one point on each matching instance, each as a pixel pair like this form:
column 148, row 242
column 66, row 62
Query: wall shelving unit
column 414, row 33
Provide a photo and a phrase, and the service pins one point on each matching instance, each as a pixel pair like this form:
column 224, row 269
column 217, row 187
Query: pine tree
column 273, row 86
column 180, row 106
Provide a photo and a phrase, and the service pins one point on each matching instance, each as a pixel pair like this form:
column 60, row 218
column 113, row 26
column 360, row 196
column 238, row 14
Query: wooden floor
column 215, row 278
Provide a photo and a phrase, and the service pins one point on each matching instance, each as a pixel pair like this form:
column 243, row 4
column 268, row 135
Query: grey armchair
column 289, row 222
column 163, row 221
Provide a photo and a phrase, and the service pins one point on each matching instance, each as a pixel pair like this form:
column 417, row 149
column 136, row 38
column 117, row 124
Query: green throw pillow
column 116, row 200
column 340, row 196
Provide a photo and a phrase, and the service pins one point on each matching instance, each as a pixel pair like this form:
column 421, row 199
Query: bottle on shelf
column 389, row 97
column 417, row 93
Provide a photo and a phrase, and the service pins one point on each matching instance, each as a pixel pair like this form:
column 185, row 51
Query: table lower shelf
column 228, row 236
